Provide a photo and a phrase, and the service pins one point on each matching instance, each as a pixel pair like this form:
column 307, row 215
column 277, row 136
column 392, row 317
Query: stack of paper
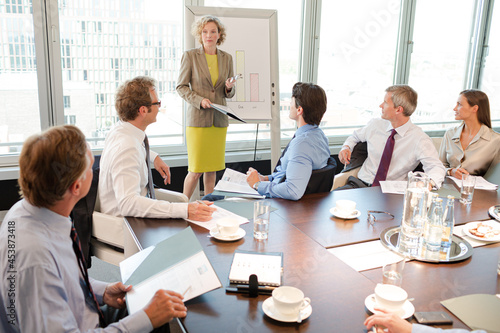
column 236, row 182
column 481, row 183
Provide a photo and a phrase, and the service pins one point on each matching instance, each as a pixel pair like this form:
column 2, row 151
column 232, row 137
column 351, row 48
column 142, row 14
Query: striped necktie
column 83, row 268
column 150, row 186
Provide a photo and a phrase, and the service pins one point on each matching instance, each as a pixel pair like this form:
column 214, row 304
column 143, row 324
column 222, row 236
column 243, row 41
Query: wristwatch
column 256, row 185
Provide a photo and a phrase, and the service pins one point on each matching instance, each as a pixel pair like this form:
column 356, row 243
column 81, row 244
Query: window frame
column 50, row 84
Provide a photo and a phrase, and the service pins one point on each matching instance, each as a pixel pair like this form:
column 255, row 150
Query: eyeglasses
column 372, row 219
column 157, row 103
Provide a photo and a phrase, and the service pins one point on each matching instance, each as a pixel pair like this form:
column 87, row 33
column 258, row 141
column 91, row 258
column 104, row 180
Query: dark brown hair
column 479, row 98
column 312, row 99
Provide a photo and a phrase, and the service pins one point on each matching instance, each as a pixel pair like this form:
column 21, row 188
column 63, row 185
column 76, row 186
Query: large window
column 441, row 40
column 356, row 59
column 19, row 113
column 104, row 43
column 490, row 82
column 353, row 49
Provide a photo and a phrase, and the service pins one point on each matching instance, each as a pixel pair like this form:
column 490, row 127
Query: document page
column 235, row 182
column 392, row 186
column 267, row 268
column 193, row 276
column 481, row 183
column 216, row 216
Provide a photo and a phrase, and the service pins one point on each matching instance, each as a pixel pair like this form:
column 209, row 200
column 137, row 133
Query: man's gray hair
column 404, row 96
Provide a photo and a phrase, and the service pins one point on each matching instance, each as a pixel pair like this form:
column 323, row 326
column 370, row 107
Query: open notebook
column 267, row 266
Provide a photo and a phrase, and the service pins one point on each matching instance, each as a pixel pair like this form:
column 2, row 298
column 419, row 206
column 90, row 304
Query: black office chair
column 322, row 179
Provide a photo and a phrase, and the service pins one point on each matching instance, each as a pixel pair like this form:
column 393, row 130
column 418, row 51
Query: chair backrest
column 493, row 173
column 358, row 156
column 322, row 179
column 82, row 214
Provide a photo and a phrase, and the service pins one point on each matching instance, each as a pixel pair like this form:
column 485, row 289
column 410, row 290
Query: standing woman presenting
column 205, row 78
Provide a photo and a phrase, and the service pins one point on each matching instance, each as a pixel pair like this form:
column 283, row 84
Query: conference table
column 303, row 231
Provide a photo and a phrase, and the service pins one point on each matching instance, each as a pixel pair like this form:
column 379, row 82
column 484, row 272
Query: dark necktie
column 283, row 153
column 83, row 268
column 151, row 191
column 385, row 161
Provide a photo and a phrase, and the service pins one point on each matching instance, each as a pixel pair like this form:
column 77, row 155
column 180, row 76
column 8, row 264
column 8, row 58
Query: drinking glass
column 261, row 214
column 393, row 273
column 467, row 189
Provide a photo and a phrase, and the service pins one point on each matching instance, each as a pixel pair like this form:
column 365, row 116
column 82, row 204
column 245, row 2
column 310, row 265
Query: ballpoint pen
column 236, row 77
column 201, row 202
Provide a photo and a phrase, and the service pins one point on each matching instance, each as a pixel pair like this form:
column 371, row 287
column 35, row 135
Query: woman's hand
column 205, row 103
column 458, row 172
column 230, row 84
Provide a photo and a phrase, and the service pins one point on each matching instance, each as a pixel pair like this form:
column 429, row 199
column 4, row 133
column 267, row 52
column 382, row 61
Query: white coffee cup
column 227, row 226
column 390, row 297
column 290, row 300
column 345, row 207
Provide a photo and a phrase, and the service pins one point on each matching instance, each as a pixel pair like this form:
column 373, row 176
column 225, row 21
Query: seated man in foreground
column 307, row 151
column 125, row 181
column 47, row 288
column 395, row 145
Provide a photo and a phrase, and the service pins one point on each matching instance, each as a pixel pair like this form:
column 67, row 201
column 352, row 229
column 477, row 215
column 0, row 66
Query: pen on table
column 245, row 289
column 185, row 291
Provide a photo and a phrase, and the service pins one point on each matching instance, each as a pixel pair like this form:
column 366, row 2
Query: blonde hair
column 198, row 26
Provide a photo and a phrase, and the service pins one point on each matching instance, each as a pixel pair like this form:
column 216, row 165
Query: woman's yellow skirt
column 206, row 147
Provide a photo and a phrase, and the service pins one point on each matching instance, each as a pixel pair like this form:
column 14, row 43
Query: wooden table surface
column 303, row 230
column 312, row 214
column 336, row 290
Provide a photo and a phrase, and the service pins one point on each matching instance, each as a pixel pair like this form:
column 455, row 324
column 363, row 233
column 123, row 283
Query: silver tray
column 460, row 249
column 494, row 212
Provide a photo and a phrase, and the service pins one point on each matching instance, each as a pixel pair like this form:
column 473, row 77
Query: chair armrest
column 108, row 229
column 341, row 178
column 170, row 196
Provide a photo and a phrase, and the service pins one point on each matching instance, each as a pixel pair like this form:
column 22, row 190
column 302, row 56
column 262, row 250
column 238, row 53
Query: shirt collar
column 134, row 131
column 484, row 133
column 50, row 219
column 401, row 130
column 305, row 128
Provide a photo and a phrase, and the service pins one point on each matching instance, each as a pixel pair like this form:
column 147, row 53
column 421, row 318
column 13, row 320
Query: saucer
column 353, row 215
column 406, row 312
column 270, row 311
column 234, row 237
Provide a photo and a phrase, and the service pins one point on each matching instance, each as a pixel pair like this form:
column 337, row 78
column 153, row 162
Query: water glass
column 467, row 189
column 261, row 214
column 393, row 273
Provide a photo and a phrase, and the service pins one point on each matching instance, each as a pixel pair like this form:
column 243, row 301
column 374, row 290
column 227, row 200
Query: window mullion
column 405, row 42
column 482, row 47
column 54, row 60
column 310, row 41
column 42, row 61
